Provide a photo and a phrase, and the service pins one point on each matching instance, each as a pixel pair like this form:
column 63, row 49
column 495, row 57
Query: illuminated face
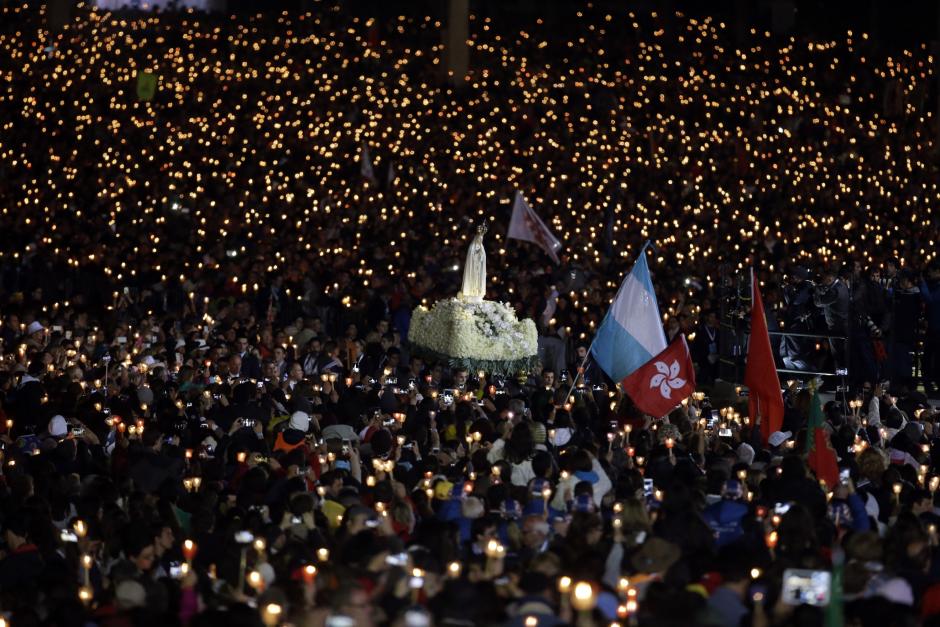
column 144, row 560
column 270, row 370
column 548, row 378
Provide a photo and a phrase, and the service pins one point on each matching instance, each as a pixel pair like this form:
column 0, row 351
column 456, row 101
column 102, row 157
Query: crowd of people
column 211, row 412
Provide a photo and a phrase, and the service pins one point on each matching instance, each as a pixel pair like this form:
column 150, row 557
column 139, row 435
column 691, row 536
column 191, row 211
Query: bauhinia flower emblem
column 667, row 378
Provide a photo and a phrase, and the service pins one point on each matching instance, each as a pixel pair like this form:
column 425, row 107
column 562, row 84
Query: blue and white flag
column 631, row 333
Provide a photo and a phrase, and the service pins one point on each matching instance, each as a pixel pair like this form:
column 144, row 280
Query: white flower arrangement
column 483, row 335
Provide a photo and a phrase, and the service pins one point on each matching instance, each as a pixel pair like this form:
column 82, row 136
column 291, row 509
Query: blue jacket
column 724, row 518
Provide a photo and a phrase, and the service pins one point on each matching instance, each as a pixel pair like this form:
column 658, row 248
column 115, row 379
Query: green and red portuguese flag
column 819, row 453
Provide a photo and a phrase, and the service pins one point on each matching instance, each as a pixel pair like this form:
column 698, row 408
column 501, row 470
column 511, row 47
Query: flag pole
column 580, row 371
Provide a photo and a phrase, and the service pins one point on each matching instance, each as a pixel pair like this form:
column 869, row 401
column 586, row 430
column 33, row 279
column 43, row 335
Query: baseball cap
column 779, row 437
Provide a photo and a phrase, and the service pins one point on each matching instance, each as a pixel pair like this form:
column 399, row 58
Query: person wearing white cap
column 34, row 336
column 295, row 433
column 58, row 427
column 777, row 438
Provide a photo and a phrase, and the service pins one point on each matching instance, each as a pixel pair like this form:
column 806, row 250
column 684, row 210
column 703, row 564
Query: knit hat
column 300, row 421
column 58, row 428
column 443, row 490
column 34, row 327
column 539, row 435
column 562, row 436
column 746, row 453
column 130, row 594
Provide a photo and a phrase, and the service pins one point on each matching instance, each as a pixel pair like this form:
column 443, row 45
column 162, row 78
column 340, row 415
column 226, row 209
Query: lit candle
column 771, row 540
column 583, row 597
column 256, row 581
column 189, row 550
column 87, row 562
column 309, row 574
column 271, row 614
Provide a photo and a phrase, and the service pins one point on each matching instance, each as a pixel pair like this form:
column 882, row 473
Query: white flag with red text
column 525, row 225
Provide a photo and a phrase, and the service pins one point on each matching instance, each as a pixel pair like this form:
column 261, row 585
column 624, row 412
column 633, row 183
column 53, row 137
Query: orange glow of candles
column 771, row 540
column 189, row 550
column 309, row 573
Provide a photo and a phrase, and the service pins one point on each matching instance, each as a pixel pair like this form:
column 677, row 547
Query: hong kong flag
column 664, row 381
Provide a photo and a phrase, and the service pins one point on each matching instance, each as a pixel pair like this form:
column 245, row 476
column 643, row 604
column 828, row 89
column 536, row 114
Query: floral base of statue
column 474, row 334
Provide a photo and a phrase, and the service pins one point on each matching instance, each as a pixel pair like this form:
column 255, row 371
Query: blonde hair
column 872, row 463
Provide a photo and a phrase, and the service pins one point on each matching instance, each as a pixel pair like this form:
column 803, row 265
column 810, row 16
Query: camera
column 248, row 423
column 806, row 587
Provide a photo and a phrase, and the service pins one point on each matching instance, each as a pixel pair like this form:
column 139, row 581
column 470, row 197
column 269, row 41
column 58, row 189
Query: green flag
column 146, row 85
column 834, row 612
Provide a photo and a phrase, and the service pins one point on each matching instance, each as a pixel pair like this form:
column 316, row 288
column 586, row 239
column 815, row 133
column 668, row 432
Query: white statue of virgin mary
column 474, row 270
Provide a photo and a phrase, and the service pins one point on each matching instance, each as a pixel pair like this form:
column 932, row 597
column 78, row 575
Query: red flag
column 821, row 458
column 660, row 384
column 760, row 377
